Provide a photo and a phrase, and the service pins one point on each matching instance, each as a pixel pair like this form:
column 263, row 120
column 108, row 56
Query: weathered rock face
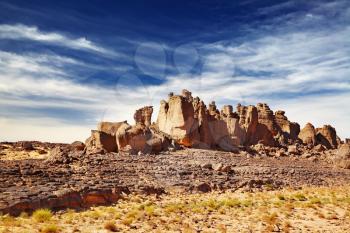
column 177, row 119
column 342, row 158
column 144, row 115
column 141, row 139
column 109, row 127
column 257, row 130
column 189, row 122
column 266, row 117
column 327, row 136
column 100, row 141
column 289, row 129
column 308, row 134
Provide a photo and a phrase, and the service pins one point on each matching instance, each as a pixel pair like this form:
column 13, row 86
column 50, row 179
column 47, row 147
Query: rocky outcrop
column 308, row 135
column 327, row 136
column 257, row 126
column 141, row 139
column 177, row 119
column 101, row 141
column 289, row 130
column 342, row 158
column 143, row 116
column 120, row 136
column 189, row 122
column 110, row 128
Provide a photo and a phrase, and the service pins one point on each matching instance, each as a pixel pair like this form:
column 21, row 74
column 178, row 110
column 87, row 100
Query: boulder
column 266, row 117
column 308, row 134
column 342, row 158
column 77, row 146
column 327, row 136
column 255, row 131
column 176, row 118
column 319, row 148
column 25, row 145
column 143, row 116
column 139, row 138
column 100, row 141
column 289, row 130
column 109, row 127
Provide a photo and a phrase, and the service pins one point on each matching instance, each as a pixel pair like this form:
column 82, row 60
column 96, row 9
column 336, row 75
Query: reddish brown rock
column 327, row 136
column 266, row 117
column 101, row 141
column 177, row 119
column 308, row 134
column 290, row 129
column 78, row 146
column 144, row 115
column 255, row 131
column 342, row 158
column 139, row 138
column 109, row 127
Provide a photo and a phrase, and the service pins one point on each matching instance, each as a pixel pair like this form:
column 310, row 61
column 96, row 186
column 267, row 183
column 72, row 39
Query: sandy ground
column 10, row 152
column 322, row 209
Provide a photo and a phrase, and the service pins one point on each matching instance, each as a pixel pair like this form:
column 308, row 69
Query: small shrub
column 149, row 210
column 42, row 215
column 281, row 197
column 232, row 202
column 110, row 226
column 50, row 229
column 315, row 200
column 300, row 197
column 270, row 219
column 128, row 221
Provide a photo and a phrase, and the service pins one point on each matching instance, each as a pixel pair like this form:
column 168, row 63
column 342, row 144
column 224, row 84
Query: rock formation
column 189, row 122
column 120, row 136
column 143, row 116
column 308, row 134
column 327, row 136
column 342, row 158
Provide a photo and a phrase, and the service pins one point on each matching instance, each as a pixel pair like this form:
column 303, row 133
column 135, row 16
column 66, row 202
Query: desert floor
column 321, row 209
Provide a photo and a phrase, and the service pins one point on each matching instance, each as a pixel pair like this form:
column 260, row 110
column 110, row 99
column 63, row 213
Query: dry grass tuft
column 42, row 215
column 50, row 229
column 110, row 226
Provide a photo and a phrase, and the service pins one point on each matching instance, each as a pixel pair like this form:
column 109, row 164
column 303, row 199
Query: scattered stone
column 308, row 134
column 79, row 146
column 342, row 158
column 28, row 146
column 203, row 187
column 207, row 166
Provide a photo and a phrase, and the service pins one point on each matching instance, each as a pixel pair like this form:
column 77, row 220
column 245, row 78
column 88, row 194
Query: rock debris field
column 101, row 179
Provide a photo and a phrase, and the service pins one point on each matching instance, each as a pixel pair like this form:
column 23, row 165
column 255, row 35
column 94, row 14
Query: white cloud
column 24, row 32
column 310, row 66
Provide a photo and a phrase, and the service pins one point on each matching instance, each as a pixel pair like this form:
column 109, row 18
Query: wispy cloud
column 24, row 32
column 301, row 67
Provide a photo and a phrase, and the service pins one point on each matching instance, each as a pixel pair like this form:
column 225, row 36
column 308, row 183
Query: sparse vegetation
column 110, row 226
column 50, row 229
column 42, row 215
column 287, row 210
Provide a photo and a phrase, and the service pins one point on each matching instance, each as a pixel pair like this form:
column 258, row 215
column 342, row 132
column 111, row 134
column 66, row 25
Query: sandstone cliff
column 187, row 121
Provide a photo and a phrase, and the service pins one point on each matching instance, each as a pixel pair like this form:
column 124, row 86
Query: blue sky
column 65, row 65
